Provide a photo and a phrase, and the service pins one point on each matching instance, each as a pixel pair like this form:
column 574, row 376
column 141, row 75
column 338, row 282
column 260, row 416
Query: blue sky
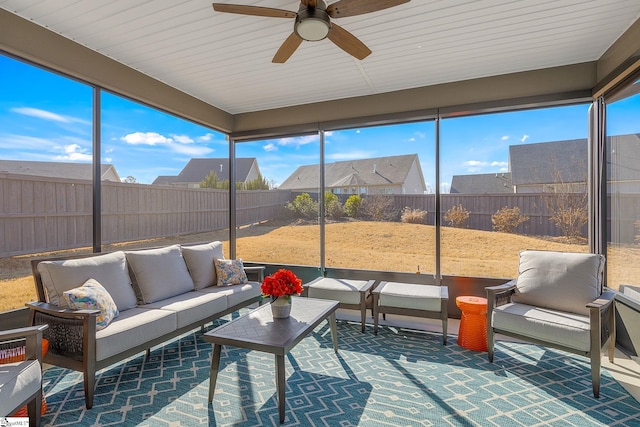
column 46, row 117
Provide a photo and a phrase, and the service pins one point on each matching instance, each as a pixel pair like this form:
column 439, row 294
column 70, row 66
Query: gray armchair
column 21, row 382
column 558, row 301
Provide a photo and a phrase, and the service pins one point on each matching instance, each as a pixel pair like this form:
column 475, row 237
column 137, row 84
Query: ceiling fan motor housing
column 312, row 23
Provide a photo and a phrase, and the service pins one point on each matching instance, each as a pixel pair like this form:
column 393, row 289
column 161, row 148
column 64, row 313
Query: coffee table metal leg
column 280, row 385
column 334, row 331
column 213, row 372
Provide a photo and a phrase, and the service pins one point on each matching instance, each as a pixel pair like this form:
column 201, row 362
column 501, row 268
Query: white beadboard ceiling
column 225, row 59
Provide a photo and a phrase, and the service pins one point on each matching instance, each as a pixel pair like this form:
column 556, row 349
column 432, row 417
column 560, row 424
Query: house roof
column 224, row 59
column 55, row 169
column 378, row 171
column 196, row 170
column 482, row 183
column 623, row 164
column 549, row 162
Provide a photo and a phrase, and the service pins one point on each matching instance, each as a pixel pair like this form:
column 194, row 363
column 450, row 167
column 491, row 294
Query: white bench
column 410, row 299
column 351, row 294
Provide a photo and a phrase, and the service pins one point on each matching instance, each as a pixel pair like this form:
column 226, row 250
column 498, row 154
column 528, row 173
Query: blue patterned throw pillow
column 230, row 272
column 93, row 296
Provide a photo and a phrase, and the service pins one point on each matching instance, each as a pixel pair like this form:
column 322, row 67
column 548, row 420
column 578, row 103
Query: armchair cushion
column 93, row 296
column 559, row 280
column 560, row 328
column 109, row 269
column 199, row 259
column 18, row 381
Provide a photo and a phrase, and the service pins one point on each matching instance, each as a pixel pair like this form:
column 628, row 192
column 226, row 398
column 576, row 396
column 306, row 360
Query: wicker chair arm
column 257, row 270
column 70, row 333
column 57, row 311
column 500, row 295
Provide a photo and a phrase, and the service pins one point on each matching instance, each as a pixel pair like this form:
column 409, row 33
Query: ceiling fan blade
column 286, row 50
column 309, row 3
column 253, row 10
column 348, row 42
column 344, row 8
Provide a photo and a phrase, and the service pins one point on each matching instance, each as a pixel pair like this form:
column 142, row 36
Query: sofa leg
column 490, row 342
column 89, row 387
column 595, row 372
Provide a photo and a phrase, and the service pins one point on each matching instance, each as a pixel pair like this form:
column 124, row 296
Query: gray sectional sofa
column 160, row 293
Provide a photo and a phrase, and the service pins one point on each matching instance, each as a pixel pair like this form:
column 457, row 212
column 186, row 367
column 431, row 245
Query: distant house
column 482, row 183
column 549, row 166
column 58, row 170
column 382, row 175
column 623, row 170
column 533, row 168
column 197, row 170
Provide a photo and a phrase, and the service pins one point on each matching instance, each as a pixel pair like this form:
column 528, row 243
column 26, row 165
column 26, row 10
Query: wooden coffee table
column 258, row 330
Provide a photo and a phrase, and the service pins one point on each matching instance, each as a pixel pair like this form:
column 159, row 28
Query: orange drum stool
column 473, row 323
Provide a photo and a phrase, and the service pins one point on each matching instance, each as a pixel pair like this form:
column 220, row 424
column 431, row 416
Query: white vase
column 281, row 307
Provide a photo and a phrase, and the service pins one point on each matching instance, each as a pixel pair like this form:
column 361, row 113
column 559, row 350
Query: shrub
column 379, row 208
column 413, row 216
column 352, row 206
column 332, row 206
column 457, row 216
column 303, row 206
column 506, row 220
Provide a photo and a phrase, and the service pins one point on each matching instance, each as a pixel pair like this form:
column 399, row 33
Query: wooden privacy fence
column 38, row 214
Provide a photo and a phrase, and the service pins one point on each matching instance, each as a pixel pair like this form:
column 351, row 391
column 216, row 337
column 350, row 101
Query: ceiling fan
column 313, row 23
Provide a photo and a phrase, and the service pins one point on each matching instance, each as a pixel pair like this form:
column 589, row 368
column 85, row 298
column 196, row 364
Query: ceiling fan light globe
column 312, row 24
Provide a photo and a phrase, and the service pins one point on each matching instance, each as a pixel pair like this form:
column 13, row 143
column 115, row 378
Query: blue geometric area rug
column 395, row 378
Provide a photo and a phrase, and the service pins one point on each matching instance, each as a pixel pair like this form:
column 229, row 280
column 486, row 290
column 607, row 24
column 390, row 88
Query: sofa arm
column 258, row 271
column 71, row 333
column 499, row 295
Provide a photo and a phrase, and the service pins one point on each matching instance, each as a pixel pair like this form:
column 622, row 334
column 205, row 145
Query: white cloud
column 352, row 155
column 183, row 139
column 474, row 163
column 204, row 138
column 146, row 138
column 298, row 141
column 270, row 147
column 74, row 152
column 47, row 115
column 504, row 138
column 412, row 140
column 41, row 114
column 496, row 163
column 524, row 138
column 191, row 150
column 419, row 135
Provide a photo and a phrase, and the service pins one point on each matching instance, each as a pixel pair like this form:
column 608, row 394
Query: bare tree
column 568, row 204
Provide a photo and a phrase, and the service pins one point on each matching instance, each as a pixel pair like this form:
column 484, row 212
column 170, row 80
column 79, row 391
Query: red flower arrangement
column 281, row 283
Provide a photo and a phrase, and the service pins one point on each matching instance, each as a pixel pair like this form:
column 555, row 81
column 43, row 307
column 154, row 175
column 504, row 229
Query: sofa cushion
column 159, row 273
column 133, row 327
column 193, row 306
column 230, row 272
column 561, row 281
column 109, row 269
column 199, row 259
column 93, row 296
column 236, row 294
column 562, row 328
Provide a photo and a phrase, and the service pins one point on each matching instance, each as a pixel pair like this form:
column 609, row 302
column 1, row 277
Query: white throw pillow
column 561, row 281
column 159, row 273
column 199, row 259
